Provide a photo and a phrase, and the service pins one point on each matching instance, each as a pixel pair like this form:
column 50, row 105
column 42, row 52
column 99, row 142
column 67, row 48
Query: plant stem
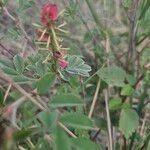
column 131, row 55
column 94, row 99
column 54, row 37
column 108, row 120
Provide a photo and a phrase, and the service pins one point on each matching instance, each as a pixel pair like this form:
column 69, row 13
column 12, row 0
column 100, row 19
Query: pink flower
column 63, row 63
column 49, row 13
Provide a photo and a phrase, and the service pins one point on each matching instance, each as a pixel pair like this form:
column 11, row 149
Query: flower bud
column 49, row 13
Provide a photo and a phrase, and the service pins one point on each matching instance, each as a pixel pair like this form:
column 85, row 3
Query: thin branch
column 67, row 130
column 131, row 55
column 7, row 50
column 108, row 120
column 7, row 92
column 15, row 106
column 8, row 14
column 95, row 135
column 143, row 124
column 20, row 89
column 94, row 99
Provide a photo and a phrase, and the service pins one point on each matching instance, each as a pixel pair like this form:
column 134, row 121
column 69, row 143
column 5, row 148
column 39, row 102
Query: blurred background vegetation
column 109, row 109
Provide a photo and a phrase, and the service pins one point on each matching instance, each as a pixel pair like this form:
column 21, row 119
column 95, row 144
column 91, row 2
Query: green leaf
column 65, row 100
column 77, row 120
column 101, row 123
column 77, row 66
column 144, row 8
column 127, row 90
column 9, row 71
column 48, row 118
column 115, row 103
column 131, row 79
column 19, row 64
column 112, row 75
column 22, row 135
column 128, row 122
column 21, row 79
column 6, row 63
column 62, row 141
column 126, row 105
column 87, row 37
column 85, row 144
column 127, row 3
column 145, row 57
column 148, row 147
column 45, row 83
column 41, row 68
column 13, row 33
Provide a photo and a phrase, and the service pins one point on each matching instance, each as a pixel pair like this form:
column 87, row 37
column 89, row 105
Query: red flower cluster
column 49, row 13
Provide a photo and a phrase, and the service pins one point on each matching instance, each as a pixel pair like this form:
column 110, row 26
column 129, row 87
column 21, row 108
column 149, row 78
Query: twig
column 94, row 99
column 96, row 134
column 67, row 130
column 15, row 106
column 21, row 148
column 21, row 90
column 7, row 92
column 108, row 120
column 143, row 124
column 138, row 80
column 143, row 44
column 131, row 55
column 8, row 14
column 124, row 143
column 1, row 45
column 11, row 115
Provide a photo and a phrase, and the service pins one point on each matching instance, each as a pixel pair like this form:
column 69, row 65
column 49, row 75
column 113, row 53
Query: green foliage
column 127, row 90
column 85, row 144
column 62, row 141
column 131, row 79
column 19, row 64
column 144, row 7
column 77, row 120
column 13, row 33
column 64, row 100
column 77, row 66
column 112, row 75
column 128, row 122
column 127, row 3
column 10, row 71
column 45, row 82
column 48, row 118
column 115, row 103
column 145, row 58
column 21, row 79
column 6, row 62
column 22, row 135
